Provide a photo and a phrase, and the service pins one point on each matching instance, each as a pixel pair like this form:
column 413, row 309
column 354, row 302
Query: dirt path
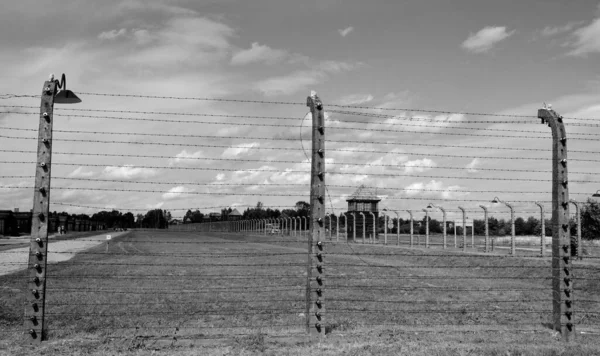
column 16, row 259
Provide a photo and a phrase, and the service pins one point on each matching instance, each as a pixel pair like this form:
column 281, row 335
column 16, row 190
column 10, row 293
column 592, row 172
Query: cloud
column 419, row 165
column 80, row 172
column 434, row 188
column 557, row 30
column 258, row 53
column 423, row 122
column 355, row 99
column 238, row 150
column 113, row 34
column 176, row 192
column 291, row 83
column 190, row 41
column 346, row 31
column 128, row 172
column 186, row 157
column 485, row 39
column 587, row 39
column 471, row 166
column 302, row 79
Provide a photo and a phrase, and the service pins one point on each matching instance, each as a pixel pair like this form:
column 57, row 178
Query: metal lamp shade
column 66, row 97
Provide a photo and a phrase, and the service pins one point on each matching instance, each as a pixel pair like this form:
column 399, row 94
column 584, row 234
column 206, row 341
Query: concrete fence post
column 562, row 276
column 315, row 299
column 412, row 239
column 487, row 230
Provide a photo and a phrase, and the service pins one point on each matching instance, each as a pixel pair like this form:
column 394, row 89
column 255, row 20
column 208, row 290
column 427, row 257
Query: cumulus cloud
column 186, row 157
column 587, row 39
column 549, row 31
column 182, row 41
column 434, row 188
column 419, row 165
column 258, row 53
column 485, row 39
column 128, row 172
column 301, row 79
column 238, row 150
column 345, row 31
column 424, row 122
column 81, row 172
column 355, row 99
column 176, row 192
column 290, row 83
column 113, row 34
column 474, row 163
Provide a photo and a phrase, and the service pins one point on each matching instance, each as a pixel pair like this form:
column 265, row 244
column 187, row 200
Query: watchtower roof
column 364, row 193
column 235, row 212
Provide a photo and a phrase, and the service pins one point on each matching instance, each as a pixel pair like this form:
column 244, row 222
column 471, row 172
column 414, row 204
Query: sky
column 413, row 70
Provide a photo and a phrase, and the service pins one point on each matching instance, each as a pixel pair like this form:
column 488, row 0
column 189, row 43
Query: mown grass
column 228, row 294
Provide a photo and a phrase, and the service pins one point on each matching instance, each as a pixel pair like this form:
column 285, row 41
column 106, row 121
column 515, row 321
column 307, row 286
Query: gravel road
column 16, row 259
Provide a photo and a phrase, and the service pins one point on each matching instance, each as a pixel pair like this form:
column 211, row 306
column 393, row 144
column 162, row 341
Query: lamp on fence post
column 543, row 232
column 578, row 219
column 487, row 231
column 513, row 248
column 34, row 312
column 431, row 205
column 412, row 240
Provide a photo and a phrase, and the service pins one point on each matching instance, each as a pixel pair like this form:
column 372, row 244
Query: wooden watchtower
column 363, row 200
column 234, row 215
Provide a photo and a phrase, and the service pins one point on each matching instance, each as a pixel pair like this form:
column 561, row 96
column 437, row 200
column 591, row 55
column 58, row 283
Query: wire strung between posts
column 342, row 128
column 306, row 172
column 286, row 161
column 403, row 125
column 298, row 149
column 394, row 143
column 302, row 194
column 445, row 120
column 232, row 290
column 140, row 96
column 391, row 188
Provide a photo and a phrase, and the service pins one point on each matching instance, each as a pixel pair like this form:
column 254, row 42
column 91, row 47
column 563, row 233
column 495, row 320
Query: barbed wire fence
column 377, row 268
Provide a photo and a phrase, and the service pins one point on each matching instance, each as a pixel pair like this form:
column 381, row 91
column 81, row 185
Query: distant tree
column 155, row 219
column 590, row 220
column 532, row 226
column 303, row 208
column 519, row 226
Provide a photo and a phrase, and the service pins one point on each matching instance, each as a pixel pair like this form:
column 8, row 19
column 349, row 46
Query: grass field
column 184, row 293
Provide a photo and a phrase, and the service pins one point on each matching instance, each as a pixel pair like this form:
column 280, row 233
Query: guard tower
column 363, row 200
column 234, row 215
